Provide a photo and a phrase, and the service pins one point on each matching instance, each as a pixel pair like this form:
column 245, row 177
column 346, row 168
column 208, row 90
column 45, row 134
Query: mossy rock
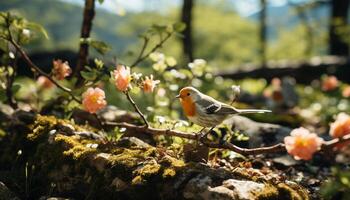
column 67, row 164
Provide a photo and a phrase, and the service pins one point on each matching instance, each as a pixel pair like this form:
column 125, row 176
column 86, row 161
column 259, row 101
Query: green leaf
column 37, row 27
column 179, row 26
column 158, row 28
column 3, row 96
column 100, row 1
column 89, row 76
column 100, row 46
column 15, row 88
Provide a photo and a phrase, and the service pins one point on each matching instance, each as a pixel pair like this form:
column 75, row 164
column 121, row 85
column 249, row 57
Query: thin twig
column 142, row 57
column 334, row 142
column 145, row 43
column 278, row 148
column 136, row 108
column 38, row 70
column 154, row 131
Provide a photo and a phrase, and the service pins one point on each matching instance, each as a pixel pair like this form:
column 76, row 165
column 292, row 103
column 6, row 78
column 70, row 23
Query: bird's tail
column 247, row 111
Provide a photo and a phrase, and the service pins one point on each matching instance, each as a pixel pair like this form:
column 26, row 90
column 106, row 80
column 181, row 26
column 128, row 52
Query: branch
column 38, row 70
column 145, row 43
column 142, row 57
column 136, row 108
column 278, row 148
column 88, row 16
column 154, row 131
column 336, row 141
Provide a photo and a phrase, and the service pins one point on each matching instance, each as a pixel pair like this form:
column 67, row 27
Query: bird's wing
column 208, row 106
column 227, row 109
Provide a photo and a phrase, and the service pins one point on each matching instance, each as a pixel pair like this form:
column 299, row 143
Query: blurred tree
column 338, row 20
column 89, row 13
column 187, row 42
column 262, row 33
column 309, row 38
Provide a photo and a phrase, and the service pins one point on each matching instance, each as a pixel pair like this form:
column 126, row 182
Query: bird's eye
column 188, row 94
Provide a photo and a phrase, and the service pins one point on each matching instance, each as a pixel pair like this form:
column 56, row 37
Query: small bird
column 205, row 111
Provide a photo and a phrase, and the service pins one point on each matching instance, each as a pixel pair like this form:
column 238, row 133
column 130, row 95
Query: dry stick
column 38, row 70
column 154, row 131
column 139, row 58
column 278, row 148
column 334, row 142
column 136, row 108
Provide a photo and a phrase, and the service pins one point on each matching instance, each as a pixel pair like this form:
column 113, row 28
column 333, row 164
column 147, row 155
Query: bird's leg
column 199, row 133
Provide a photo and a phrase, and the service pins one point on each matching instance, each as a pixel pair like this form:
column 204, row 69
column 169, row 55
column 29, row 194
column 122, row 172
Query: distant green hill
column 63, row 22
column 220, row 35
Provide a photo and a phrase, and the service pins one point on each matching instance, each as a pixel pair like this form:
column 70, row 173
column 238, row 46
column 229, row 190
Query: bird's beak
column 177, row 96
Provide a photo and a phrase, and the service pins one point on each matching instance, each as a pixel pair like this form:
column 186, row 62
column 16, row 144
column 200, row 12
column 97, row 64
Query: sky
column 120, row 7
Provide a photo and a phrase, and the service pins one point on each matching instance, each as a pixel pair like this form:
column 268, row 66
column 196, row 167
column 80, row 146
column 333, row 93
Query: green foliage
column 100, row 46
column 338, row 186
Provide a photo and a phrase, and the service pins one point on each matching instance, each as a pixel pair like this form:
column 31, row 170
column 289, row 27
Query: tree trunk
column 262, row 33
column 187, row 42
column 89, row 13
column 338, row 19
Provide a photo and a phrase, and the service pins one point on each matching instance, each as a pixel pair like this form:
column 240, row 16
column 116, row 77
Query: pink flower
column 329, row 83
column 346, row 92
column 61, row 69
column 122, row 77
column 302, row 144
column 94, row 100
column 340, row 128
column 45, row 82
column 149, row 84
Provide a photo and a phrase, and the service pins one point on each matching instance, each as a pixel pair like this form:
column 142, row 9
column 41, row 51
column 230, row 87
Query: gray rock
column 132, row 142
column 202, row 188
column 259, row 133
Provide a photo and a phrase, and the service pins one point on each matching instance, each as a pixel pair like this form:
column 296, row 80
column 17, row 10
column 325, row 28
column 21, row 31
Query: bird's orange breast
column 188, row 106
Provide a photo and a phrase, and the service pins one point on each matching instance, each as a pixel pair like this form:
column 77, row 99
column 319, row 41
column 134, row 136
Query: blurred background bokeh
column 227, row 33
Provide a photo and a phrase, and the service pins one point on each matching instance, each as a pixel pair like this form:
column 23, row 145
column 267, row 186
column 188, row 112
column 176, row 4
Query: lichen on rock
column 132, row 169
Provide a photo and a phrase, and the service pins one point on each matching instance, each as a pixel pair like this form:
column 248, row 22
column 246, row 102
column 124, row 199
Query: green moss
column 76, row 149
column 170, row 166
column 145, row 172
column 44, row 124
column 269, row 192
column 169, row 172
column 289, row 192
column 126, row 157
column 148, row 170
column 41, row 126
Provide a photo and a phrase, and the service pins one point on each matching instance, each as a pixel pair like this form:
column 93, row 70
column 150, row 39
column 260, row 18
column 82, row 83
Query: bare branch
column 136, row 108
column 278, row 148
column 38, row 70
column 154, row 131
